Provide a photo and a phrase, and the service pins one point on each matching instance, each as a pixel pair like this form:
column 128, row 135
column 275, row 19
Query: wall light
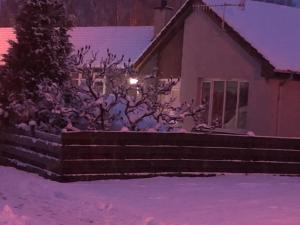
column 133, row 81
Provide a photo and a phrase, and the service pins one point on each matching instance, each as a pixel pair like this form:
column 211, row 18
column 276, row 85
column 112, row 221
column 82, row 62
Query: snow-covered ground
column 27, row 199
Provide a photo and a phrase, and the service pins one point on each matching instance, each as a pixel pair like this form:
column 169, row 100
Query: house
column 241, row 59
column 120, row 40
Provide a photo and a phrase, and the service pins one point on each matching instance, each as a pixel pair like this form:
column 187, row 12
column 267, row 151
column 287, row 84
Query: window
column 98, row 83
column 226, row 103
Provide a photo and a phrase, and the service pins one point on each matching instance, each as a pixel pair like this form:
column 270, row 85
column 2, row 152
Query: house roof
column 270, row 31
column 120, row 40
column 274, row 30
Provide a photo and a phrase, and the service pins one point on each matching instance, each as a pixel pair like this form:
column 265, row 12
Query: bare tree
column 130, row 101
column 136, row 105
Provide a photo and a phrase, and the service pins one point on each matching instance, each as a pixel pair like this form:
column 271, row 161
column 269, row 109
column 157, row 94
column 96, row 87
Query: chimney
column 162, row 14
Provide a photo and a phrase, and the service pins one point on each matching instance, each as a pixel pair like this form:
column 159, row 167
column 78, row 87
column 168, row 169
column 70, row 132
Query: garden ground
column 27, row 199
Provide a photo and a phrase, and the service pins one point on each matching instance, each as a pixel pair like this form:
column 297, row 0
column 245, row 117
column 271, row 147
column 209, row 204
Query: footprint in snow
column 108, row 207
column 60, row 195
column 2, row 196
column 87, row 221
column 150, row 221
column 20, row 206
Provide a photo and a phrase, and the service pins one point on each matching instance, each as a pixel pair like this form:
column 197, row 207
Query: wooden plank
column 2, row 161
column 177, row 139
column 177, row 152
column 106, row 176
column 32, row 158
column 156, row 166
column 34, row 144
column 37, row 134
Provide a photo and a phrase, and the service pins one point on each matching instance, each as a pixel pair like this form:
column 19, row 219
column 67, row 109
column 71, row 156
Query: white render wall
column 208, row 52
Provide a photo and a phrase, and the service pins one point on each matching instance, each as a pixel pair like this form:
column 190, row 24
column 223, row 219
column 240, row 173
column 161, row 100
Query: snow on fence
column 104, row 155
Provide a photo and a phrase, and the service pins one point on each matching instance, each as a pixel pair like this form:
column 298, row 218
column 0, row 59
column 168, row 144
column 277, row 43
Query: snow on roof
column 274, row 30
column 125, row 40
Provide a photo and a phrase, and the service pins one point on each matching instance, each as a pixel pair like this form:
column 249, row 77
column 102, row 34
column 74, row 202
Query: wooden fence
column 106, row 155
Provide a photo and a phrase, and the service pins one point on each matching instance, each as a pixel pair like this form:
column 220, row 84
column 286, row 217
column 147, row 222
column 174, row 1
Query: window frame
column 80, row 80
column 211, row 98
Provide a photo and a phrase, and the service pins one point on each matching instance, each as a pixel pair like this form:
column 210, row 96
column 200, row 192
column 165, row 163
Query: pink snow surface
column 27, row 199
column 274, row 30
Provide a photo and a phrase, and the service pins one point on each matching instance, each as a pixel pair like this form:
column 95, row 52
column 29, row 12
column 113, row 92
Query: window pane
column 243, row 104
column 99, row 87
column 74, row 82
column 83, row 83
column 205, row 98
column 86, row 74
column 230, row 105
column 74, row 75
column 218, row 98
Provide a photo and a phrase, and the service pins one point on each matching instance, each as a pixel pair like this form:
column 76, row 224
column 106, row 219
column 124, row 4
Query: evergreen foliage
column 42, row 50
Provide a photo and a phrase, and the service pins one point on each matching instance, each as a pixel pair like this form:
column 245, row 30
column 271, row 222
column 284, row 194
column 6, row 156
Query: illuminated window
column 226, row 102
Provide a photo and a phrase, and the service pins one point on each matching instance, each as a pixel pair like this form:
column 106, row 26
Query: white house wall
column 209, row 53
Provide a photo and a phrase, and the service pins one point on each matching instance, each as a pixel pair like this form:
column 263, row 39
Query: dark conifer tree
column 42, row 48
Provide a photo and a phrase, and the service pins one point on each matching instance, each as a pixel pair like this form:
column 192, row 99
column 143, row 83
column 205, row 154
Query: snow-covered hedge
column 123, row 106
